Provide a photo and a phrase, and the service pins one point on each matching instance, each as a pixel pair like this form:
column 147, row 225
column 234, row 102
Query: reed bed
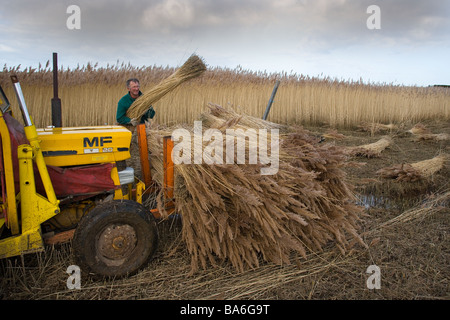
column 90, row 94
column 234, row 213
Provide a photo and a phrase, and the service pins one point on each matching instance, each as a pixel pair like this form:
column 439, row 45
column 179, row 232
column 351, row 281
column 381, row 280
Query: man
column 124, row 104
column 127, row 100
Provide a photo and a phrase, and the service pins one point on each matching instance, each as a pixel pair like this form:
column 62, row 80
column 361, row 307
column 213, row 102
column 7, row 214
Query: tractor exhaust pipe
column 56, row 101
column 32, row 136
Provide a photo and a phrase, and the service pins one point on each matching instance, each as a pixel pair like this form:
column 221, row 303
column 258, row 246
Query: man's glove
column 134, row 122
column 150, row 113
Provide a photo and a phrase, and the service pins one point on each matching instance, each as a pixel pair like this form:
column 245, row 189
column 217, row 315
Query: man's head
column 133, row 87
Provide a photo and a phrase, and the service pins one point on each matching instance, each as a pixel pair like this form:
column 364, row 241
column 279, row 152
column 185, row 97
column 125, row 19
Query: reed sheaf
column 410, row 172
column 370, row 150
column 420, row 132
column 192, row 68
column 233, row 213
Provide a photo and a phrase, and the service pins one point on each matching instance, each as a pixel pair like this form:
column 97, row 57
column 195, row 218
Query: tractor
column 64, row 184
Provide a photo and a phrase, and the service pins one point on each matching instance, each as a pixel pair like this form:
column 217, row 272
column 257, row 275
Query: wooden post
column 168, row 174
column 168, row 167
column 269, row 105
column 143, row 155
column 168, row 182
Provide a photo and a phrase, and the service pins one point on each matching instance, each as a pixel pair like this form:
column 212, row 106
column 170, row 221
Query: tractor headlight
column 126, row 176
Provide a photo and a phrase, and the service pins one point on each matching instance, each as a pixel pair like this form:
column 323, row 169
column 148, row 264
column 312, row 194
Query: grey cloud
column 183, row 15
column 231, row 31
column 334, row 21
column 319, row 23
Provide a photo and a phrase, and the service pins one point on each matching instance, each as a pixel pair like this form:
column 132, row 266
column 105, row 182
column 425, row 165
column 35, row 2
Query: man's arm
column 121, row 115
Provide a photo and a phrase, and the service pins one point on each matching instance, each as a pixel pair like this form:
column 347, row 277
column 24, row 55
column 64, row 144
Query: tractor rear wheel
column 115, row 239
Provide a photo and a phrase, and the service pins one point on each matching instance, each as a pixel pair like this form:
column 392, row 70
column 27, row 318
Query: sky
column 400, row 42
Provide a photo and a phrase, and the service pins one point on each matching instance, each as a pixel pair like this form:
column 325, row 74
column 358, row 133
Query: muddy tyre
column 115, row 239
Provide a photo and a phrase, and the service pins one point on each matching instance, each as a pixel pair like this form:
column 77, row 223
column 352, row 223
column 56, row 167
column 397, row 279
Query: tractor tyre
column 115, row 239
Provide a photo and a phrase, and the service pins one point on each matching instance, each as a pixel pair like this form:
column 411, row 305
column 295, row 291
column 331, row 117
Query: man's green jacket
column 124, row 103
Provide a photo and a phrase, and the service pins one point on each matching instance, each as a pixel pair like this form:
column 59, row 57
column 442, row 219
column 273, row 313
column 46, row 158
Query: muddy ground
column 413, row 256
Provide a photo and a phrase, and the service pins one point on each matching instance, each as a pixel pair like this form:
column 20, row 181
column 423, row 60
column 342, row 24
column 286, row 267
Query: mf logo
column 96, row 141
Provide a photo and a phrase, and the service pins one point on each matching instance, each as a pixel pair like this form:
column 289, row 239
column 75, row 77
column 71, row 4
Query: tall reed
column 90, row 94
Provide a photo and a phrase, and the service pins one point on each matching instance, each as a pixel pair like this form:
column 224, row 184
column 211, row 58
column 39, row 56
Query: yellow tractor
column 61, row 184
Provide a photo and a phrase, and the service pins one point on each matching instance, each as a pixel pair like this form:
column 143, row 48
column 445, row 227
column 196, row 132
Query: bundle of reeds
column 421, row 133
column 333, row 134
column 232, row 213
column 414, row 171
column 192, row 68
column 429, row 167
column 376, row 127
column 370, row 150
column 432, row 136
column 419, row 128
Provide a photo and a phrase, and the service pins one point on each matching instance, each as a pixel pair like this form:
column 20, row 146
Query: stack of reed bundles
column 233, row 213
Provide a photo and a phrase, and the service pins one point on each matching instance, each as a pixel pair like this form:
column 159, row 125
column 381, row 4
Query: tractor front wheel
column 115, row 239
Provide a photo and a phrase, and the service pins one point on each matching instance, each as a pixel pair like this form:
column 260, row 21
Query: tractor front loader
column 61, row 184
